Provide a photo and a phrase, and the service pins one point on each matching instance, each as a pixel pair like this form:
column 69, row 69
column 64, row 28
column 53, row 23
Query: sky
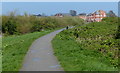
column 51, row 8
column 60, row 0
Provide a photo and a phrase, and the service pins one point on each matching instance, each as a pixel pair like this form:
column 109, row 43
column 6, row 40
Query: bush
column 36, row 27
column 110, row 19
column 17, row 24
column 9, row 27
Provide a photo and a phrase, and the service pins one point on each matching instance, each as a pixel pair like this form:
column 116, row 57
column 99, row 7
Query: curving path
column 40, row 55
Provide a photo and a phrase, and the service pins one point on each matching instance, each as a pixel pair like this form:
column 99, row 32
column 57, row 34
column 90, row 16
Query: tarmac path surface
column 40, row 56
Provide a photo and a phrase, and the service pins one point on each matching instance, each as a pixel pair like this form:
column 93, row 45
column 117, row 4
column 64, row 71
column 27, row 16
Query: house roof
column 81, row 14
column 38, row 15
column 64, row 14
column 89, row 14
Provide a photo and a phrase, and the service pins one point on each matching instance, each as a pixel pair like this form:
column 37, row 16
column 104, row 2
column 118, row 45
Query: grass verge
column 0, row 54
column 74, row 58
column 14, row 49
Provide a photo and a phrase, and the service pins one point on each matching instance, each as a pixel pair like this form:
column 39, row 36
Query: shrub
column 17, row 24
column 9, row 27
column 98, row 36
column 36, row 27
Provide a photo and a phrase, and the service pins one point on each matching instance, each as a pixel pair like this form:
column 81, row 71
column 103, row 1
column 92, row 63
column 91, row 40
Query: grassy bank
column 88, row 48
column 0, row 54
column 16, row 47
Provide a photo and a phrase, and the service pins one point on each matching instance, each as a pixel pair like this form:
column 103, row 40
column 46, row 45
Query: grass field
column 16, row 47
column 92, row 47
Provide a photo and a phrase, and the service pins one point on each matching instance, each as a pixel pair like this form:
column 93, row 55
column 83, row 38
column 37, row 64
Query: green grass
column 74, row 58
column 0, row 54
column 15, row 48
column 92, row 47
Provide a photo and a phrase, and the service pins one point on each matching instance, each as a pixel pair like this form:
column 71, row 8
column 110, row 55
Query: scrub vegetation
column 17, row 24
column 92, row 47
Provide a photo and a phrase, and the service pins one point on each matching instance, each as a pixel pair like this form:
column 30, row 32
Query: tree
column 9, row 27
column 111, row 14
column 25, row 14
column 44, row 15
column 73, row 12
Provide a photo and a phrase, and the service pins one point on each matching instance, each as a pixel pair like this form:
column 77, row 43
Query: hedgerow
column 21, row 24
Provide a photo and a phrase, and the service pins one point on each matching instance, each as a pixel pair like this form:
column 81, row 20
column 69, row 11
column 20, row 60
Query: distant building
column 39, row 15
column 66, row 14
column 96, row 16
column 73, row 12
column 90, row 18
column 62, row 14
column 59, row 15
column 82, row 16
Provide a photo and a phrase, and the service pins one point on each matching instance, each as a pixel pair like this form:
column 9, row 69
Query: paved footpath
column 40, row 56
